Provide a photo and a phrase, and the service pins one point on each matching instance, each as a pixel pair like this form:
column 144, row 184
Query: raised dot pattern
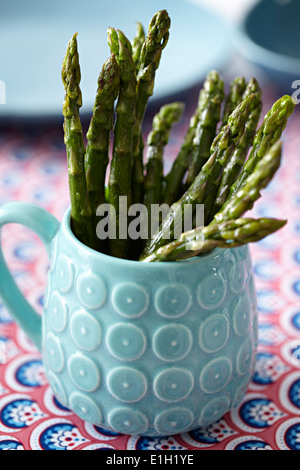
column 125, row 341
column 153, row 362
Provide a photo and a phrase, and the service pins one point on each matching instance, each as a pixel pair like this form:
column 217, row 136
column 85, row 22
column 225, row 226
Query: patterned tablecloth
column 33, row 168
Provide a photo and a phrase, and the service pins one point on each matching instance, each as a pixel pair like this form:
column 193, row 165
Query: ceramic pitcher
column 151, row 349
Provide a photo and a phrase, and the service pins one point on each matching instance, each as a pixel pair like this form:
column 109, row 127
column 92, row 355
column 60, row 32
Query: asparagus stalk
column 81, row 213
column 158, row 138
column 137, row 44
column 228, row 234
column 211, row 98
column 98, row 135
column 209, row 202
column 150, row 56
column 234, row 97
column 222, row 149
column 268, row 133
column 120, row 178
column 174, row 179
column 244, row 199
column 235, row 165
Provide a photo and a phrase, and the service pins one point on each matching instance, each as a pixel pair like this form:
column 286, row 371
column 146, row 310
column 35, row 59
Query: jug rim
column 66, row 227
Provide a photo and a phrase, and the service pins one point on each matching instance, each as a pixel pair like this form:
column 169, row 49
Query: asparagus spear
column 120, row 179
column 157, row 140
column 234, row 97
column 98, row 135
column 137, row 44
column 252, row 87
column 150, row 56
column 174, row 179
column 211, row 97
column 175, row 176
column 228, row 234
column 209, row 202
column 235, row 165
column 222, row 149
column 244, row 199
column 268, row 133
column 81, row 213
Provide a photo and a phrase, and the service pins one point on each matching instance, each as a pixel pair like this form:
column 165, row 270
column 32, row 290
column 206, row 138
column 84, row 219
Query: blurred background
column 258, row 38
column 235, row 37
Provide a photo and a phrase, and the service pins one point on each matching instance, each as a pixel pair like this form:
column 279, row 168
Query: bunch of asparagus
column 224, row 162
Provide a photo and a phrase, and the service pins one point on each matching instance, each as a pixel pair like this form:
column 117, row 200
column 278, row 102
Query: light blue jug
column 151, row 349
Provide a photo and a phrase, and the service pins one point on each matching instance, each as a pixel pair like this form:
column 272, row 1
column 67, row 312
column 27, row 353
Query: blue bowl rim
column 256, row 53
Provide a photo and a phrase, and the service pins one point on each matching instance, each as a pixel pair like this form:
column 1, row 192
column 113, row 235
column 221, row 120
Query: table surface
column 33, row 168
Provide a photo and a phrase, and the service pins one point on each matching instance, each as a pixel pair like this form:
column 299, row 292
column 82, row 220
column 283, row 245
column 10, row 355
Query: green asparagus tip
column 281, row 223
column 71, row 63
column 140, row 36
column 159, row 25
column 116, row 39
column 156, row 40
column 120, row 46
column 113, row 40
column 137, row 43
column 71, row 76
column 280, row 112
column 168, row 115
column 172, row 111
column 252, row 87
column 140, row 28
column 287, row 104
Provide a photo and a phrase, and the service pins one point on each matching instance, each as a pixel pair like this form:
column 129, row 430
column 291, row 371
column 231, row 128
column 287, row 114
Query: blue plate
column 34, row 36
column 269, row 37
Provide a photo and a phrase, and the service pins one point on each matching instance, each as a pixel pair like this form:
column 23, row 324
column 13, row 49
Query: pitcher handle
column 45, row 225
